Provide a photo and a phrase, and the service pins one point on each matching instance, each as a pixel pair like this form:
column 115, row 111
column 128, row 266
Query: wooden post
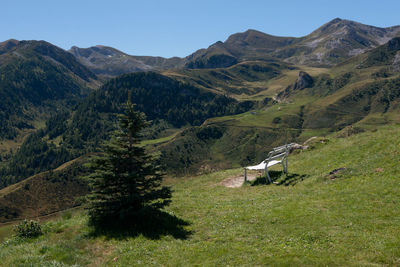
column 245, row 175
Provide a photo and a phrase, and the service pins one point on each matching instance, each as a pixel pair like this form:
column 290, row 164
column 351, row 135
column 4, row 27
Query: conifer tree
column 124, row 179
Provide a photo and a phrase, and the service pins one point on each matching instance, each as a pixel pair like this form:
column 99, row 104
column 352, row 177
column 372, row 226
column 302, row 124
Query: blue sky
column 175, row 27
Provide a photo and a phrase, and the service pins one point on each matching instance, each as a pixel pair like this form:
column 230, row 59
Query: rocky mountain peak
column 98, row 49
column 336, row 20
column 257, row 39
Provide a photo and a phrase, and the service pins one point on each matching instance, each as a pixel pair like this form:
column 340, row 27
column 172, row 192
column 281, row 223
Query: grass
column 5, row 231
column 263, row 118
column 159, row 140
column 287, row 78
column 316, row 220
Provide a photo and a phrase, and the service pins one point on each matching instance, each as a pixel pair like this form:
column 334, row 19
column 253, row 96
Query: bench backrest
column 278, row 152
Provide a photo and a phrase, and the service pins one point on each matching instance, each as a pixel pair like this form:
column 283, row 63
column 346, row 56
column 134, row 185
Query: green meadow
column 308, row 218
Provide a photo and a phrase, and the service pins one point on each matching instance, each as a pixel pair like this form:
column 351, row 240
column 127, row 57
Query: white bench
column 276, row 156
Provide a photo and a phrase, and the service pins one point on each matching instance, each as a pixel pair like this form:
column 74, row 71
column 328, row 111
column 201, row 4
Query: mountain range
column 330, row 44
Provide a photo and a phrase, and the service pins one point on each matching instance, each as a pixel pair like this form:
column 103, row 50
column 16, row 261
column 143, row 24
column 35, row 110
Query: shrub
column 276, row 120
column 28, row 229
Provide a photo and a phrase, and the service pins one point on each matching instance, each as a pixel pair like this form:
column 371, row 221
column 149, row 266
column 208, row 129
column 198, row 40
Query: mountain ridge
column 108, row 61
column 328, row 45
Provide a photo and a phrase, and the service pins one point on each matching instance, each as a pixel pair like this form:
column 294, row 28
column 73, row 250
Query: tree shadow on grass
column 279, row 178
column 152, row 224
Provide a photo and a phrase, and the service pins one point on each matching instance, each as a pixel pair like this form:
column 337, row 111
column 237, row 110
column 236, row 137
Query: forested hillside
column 37, row 79
column 165, row 101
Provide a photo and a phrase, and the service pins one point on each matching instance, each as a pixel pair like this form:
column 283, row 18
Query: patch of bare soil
column 237, row 181
column 102, row 252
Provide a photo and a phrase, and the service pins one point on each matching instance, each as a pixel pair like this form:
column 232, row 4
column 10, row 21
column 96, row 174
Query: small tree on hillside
column 124, row 179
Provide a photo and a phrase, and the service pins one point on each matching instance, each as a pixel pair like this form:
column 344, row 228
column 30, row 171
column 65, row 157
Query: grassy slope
column 332, row 104
column 43, row 193
column 328, row 106
column 352, row 220
column 249, row 80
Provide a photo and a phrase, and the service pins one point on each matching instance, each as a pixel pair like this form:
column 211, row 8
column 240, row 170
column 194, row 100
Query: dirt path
column 237, row 181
